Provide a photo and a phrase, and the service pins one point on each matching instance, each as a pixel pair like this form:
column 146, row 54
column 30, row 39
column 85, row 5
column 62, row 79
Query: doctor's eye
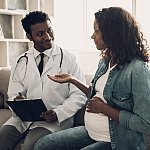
column 39, row 34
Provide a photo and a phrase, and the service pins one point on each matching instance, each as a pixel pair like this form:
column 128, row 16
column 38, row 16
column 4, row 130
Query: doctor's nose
column 48, row 36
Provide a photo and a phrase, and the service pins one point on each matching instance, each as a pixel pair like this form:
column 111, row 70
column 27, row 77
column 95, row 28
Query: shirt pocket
column 122, row 100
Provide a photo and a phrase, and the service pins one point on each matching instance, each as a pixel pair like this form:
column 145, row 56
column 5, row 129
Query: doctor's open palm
column 61, row 78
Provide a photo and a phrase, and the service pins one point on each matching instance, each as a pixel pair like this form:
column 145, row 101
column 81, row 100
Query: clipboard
column 27, row 109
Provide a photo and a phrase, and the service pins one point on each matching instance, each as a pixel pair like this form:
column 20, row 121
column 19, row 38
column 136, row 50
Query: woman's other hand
column 95, row 105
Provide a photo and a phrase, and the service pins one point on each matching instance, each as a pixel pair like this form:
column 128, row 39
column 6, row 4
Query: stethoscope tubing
column 26, row 57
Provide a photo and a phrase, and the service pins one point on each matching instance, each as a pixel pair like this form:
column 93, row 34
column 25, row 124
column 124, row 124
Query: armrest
column 1, row 100
column 79, row 117
column 4, row 81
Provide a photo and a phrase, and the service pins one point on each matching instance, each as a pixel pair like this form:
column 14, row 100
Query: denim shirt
column 128, row 90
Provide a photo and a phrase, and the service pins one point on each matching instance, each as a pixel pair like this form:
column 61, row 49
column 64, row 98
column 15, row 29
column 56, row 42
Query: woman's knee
column 66, row 139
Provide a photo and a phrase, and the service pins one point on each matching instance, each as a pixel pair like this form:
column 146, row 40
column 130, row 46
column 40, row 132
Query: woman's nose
column 92, row 36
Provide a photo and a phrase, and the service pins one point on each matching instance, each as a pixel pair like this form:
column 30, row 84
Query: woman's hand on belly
column 95, row 105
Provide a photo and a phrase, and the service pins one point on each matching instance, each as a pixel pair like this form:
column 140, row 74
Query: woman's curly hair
column 121, row 34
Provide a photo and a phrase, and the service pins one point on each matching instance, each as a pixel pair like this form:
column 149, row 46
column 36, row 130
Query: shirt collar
column 47, row 52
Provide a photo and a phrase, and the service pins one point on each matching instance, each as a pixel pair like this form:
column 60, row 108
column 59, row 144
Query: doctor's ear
column 29, row 36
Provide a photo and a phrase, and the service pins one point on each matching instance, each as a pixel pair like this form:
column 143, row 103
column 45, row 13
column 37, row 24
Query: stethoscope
column 26, row 59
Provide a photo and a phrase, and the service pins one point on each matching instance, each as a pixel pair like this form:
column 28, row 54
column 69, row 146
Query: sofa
column 5, row 113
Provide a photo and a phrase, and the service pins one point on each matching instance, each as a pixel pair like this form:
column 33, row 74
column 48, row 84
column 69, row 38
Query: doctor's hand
column 49, row 115
column 18, row 97
column 61, row 78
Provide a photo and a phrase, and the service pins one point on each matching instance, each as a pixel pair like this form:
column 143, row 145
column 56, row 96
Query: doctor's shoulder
column 22, row 58
column 16, row 59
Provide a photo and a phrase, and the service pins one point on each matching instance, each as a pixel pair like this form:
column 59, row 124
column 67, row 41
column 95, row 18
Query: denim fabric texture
column 75, row 138
column 128, row 90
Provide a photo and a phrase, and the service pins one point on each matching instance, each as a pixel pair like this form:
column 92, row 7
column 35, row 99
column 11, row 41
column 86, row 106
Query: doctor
column 62, row 101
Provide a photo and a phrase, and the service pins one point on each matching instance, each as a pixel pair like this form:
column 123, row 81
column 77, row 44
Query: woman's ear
column 29, row 36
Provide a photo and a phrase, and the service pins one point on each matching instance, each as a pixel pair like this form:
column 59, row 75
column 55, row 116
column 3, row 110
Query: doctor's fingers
column 50, row 117
column 48, row 112
column 18, row 97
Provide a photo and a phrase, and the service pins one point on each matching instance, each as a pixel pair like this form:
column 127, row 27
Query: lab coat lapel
column 50, row 63
column 31, row 60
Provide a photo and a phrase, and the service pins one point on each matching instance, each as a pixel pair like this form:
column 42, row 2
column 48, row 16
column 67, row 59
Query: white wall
column 88, row 60
column 73, row 26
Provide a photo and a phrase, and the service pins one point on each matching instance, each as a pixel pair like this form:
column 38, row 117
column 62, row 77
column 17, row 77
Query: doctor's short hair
column 33, row 18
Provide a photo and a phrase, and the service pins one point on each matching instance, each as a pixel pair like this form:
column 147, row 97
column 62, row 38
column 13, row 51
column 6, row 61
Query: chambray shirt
column 128, row 90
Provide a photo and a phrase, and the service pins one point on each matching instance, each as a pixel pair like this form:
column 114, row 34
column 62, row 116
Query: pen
column 19, row 93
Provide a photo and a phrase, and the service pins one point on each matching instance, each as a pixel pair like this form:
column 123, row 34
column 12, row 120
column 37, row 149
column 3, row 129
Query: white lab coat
column 65, row 99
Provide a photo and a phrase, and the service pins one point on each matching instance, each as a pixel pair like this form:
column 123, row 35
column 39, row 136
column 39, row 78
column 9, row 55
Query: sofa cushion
column 5, row 114
column 4, row 80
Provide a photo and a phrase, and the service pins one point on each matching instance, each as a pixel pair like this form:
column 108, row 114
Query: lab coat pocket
column 62, row 89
